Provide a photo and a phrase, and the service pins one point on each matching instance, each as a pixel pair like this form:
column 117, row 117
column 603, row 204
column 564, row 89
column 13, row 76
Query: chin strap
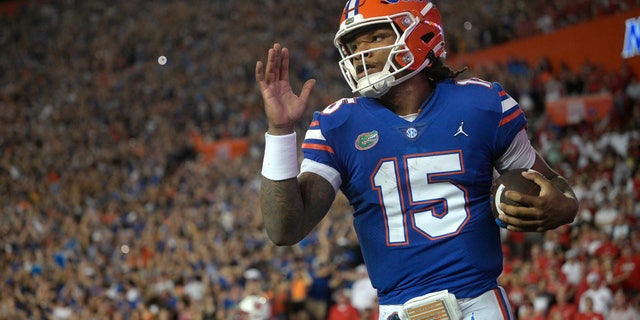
column 381, row 84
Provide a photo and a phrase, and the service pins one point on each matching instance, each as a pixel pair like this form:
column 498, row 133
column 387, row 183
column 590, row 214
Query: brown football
column 510, row 180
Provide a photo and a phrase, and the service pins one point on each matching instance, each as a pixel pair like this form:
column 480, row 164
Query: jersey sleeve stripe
column 508, row 104
column 314, row 134
column 329, row 173
column 317, row 146
column 510, row 117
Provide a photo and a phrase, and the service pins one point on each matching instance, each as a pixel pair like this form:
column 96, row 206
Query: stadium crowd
column 109, row 212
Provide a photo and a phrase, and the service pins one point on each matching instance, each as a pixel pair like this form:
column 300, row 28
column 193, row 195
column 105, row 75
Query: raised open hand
column 283, row 107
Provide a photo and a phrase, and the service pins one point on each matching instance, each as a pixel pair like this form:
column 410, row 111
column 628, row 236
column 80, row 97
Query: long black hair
column 439, row 71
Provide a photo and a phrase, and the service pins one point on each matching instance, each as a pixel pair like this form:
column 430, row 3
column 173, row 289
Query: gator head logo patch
column 367, row 140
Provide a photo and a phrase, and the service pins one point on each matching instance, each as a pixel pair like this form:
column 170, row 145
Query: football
column 510, row 180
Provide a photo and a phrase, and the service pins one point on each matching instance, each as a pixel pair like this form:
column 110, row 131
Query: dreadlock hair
column 439, row 71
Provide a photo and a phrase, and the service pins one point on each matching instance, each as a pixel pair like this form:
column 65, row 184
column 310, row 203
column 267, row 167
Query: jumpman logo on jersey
column 460, row 130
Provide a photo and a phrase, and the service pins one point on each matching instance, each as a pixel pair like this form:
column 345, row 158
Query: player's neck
column 407, row 97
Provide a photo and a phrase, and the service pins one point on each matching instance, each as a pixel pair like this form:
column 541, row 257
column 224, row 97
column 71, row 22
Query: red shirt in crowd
column 568, row 310
column 588, row 316
column 345, row 311
column 628, row 267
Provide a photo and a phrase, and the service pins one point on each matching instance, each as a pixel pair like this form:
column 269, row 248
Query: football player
column 414, row 152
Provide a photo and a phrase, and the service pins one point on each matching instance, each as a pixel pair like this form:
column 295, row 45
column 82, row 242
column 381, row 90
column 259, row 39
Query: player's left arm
column 555, row 206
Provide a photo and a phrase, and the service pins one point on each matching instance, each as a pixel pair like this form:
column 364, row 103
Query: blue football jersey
column 420, row 189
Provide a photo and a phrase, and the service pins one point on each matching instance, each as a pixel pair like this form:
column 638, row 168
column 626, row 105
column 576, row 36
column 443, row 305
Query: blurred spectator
column 363, row 294
column 588, row 313
column 563, row 305
column 319, row 296
column 254, row 283
column 621, row 309
column 253, row 307
column 539, row 297
column 627, row 269
column 342, row 309
column 598, row 298
column 572, row 268
column 605, row 217
column 633, row 89
column 301, row 281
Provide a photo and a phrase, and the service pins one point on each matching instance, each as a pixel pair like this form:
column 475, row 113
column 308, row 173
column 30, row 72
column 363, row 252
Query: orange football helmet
column 419, row 41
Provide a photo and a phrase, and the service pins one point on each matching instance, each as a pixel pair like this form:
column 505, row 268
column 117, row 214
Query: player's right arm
column 291, row 205
column 292, row 208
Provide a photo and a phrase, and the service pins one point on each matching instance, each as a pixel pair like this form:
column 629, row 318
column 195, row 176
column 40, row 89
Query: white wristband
column 280, row 157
